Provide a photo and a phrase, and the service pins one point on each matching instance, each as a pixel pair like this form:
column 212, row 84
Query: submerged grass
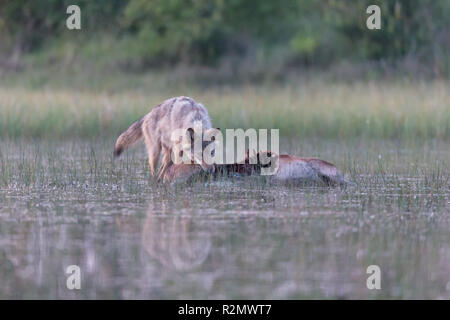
column 383, row 167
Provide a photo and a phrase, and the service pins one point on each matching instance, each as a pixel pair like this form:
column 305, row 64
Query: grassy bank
column 105, row 106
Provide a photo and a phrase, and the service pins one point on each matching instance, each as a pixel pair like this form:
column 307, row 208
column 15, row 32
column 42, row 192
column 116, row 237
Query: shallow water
column 68, row 203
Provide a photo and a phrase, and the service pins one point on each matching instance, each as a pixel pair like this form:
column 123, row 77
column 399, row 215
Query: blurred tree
column 407, row 27
column 28, row 24
column 186, row 30
column 313, row 32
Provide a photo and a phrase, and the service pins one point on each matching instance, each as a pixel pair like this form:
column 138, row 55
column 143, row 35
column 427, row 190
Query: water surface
column 69, row 203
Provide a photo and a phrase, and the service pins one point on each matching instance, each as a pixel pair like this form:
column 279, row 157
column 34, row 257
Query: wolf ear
column 213, row 138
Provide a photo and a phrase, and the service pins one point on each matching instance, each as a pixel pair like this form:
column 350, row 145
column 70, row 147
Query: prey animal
column 287, row 169
column 291, row 168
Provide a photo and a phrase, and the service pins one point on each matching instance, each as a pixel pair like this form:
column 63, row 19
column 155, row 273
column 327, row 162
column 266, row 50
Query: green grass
column 42, row 104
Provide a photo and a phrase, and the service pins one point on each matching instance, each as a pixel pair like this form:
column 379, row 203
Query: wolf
column 157, row 127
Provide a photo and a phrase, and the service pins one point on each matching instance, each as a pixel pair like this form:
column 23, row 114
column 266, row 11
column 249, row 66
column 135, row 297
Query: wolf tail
column 132, row 135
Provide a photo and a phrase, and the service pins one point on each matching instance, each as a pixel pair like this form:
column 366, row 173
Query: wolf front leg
column 153, row 157
column 166, row 163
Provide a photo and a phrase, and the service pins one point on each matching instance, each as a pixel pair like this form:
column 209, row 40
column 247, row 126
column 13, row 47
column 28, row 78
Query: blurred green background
column 248, row 36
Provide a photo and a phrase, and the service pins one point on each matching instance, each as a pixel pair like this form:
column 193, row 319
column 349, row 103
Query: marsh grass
column 40, row 106
column 375, row 166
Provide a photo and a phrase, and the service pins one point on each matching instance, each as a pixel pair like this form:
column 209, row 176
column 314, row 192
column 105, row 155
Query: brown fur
column 185, row 172
column 290, row 168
